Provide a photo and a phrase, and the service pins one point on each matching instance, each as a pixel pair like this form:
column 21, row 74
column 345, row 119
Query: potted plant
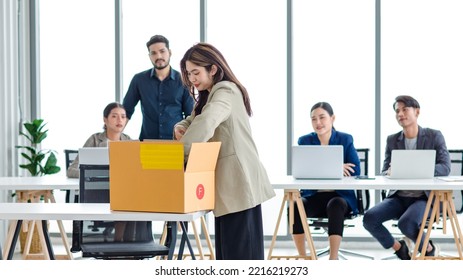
column 38, row 162
column 35, row 156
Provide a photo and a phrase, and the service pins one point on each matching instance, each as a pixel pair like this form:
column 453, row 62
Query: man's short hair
column 157, row 39
column 407, row 100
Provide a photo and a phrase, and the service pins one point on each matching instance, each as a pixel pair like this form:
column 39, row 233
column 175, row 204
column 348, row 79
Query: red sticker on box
column 200, row 191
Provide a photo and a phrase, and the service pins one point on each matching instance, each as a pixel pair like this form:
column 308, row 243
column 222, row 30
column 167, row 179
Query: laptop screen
column 412, row 164
column 94, row 156
column 317, row 162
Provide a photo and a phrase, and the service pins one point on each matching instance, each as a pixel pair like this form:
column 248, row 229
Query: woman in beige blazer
column 222, row 114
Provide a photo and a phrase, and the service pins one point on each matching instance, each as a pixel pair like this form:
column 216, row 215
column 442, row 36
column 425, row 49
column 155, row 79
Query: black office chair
column 96, row 239
column 456, row 160
column 363, row 204
column 70, row 156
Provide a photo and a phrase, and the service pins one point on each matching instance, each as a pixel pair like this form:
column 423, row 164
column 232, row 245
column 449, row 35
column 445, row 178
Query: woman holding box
column 221, row 114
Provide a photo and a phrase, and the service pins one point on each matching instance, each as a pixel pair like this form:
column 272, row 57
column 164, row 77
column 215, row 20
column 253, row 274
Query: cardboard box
column 149, row 176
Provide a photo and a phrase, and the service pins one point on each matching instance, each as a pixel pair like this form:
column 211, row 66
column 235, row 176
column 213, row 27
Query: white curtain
column 14, row 86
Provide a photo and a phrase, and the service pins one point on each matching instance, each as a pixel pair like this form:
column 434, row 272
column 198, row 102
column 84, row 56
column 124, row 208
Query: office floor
column 355, row 239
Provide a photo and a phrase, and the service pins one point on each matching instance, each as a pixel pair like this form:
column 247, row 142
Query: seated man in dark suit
column 407, row 206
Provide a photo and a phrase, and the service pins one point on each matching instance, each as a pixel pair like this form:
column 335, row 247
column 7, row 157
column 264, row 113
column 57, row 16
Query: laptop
column 317, row 162
column 94, row 156
column 412, row 164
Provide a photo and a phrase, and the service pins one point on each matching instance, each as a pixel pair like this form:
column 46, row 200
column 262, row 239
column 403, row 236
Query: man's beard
column 162, row 66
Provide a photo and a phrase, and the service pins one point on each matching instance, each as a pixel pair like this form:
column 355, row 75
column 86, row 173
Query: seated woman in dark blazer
column 335, row 205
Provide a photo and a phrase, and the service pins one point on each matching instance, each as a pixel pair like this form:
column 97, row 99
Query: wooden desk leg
column 423, row 224
column 9, row 246
column 432, row 196
column 448, row 208
column 303, row 216
column 162, row 239
column 46, row 248
column 275, row 233
column 293, row 196
column 456, row 228
column 30, row 231
column 208, row 238
column 198, row 240
column 445, row 210
column 51, row 198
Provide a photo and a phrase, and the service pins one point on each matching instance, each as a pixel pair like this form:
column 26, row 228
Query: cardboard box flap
column 198, row 161
column 161, row 155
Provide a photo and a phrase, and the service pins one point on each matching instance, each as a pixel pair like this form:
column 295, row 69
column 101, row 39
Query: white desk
column 440, row 189
column 49, row 182
column 32, row 188
column 375, row 183
column 83, row 211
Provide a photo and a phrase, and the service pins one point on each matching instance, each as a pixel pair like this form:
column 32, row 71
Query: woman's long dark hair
column 206, row 55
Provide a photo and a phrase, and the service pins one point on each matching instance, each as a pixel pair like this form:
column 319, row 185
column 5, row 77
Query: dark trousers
column 240, row 235
column 323, row 205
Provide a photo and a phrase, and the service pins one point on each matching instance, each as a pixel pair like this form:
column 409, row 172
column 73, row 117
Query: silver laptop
column 317, row 162
column 412, row 164
column 94, row 156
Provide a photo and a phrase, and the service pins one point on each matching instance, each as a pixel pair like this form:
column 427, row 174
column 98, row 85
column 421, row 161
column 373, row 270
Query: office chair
column 456, row 161
column 70, row 155
column 96, row 239
column 363, row 204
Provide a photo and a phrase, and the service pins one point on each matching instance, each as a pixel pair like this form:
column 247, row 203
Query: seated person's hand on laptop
column 388, row 171
column 348, row 169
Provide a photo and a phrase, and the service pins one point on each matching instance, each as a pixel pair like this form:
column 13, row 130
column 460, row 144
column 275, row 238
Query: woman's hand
column 348, row 169
column 178, row 132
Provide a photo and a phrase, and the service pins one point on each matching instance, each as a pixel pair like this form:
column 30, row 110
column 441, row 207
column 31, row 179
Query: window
column 255, row 48
column 334, row 61
column 76, row 70
column 145, row 18
column 421, row 56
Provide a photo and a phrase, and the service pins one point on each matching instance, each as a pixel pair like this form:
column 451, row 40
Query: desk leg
column 45, row 240
column 303, row 216
column 456, row 228
column 448, row 208
column 46, row 237
column 198, row 240
column 184, row 240
column 275, row 233
column 173, row 239
column 293, row 196
column 208, row 238
column 51, row 198
column 12, row 239
column 423, row 224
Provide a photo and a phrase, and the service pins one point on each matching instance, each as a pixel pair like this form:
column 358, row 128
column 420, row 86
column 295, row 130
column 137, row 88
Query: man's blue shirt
column 163, row 103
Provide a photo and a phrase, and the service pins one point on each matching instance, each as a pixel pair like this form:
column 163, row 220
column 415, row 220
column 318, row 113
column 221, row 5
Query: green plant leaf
column 26, row 156
column 36, row 134
column 32, row 150
column 27, row 136
column 41, row 135
column 32, row 168
column 51, row 161
column 52, row 170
